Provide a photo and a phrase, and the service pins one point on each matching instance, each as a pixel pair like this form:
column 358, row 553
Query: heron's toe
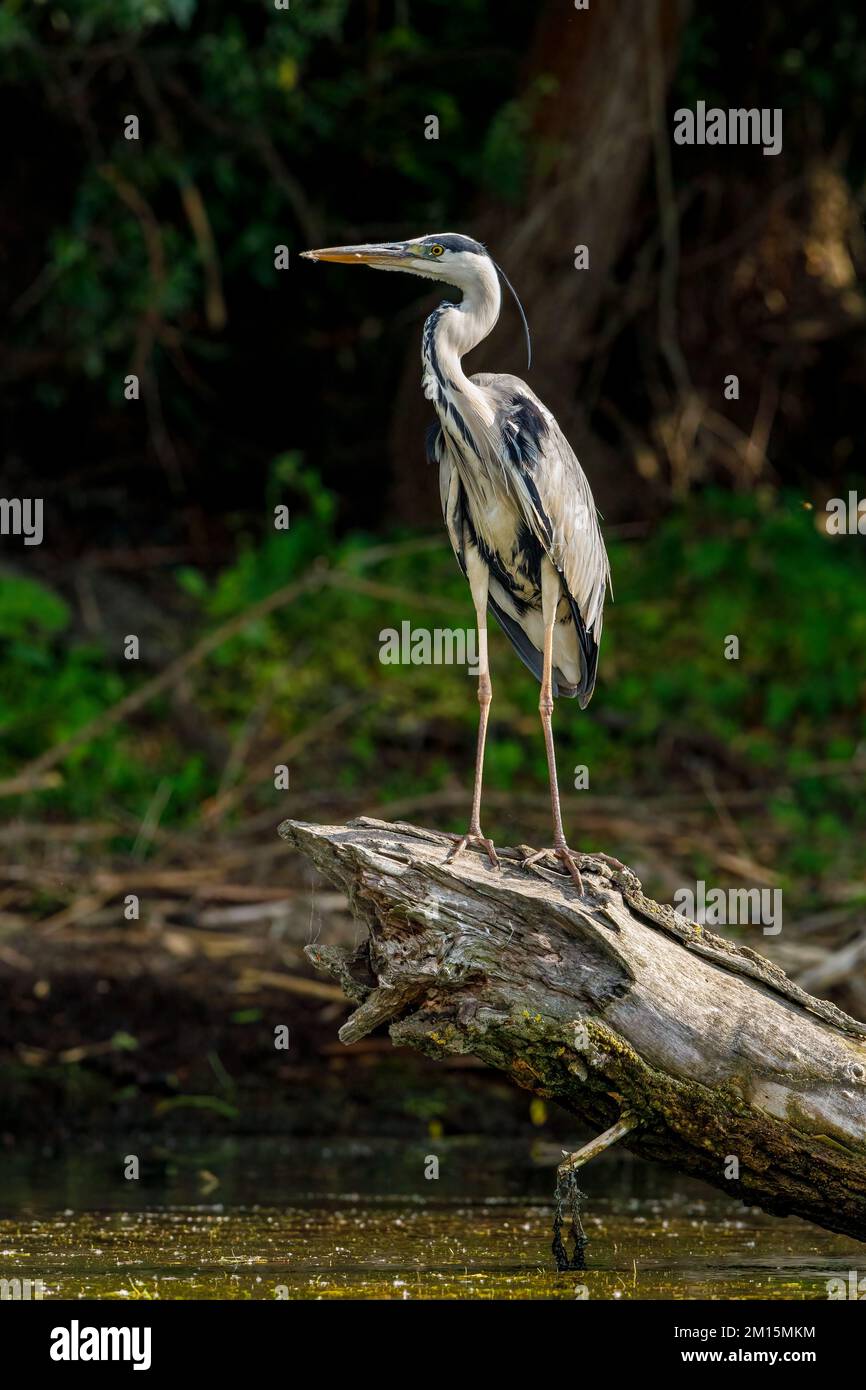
column 473, row 838
column 565, row 856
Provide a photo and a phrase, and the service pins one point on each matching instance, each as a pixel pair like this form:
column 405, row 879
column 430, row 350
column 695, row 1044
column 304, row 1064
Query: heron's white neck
column 455, row 329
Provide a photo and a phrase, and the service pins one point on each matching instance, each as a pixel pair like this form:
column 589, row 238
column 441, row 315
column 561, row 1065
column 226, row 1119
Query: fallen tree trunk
column 703, row 1054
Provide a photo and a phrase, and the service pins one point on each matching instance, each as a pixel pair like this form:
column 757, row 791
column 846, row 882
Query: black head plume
column 522, row 314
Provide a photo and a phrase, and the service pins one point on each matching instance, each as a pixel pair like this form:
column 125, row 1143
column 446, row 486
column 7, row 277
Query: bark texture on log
column 608, row 1003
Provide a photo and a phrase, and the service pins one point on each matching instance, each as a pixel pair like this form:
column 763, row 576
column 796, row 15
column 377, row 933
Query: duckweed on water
column 651, row 1235
column 359, row 1252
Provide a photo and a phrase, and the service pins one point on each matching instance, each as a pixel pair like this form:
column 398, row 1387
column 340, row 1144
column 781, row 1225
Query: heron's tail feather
column 588, row 652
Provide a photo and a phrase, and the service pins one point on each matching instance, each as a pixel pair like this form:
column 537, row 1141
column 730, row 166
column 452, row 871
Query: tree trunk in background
column 588, row 148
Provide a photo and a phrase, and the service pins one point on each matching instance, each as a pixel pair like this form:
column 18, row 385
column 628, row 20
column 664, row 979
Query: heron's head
column 454, row 259
column 447, row 256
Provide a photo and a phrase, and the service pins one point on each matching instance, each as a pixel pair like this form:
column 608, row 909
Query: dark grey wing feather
column 545, row 479
column 556, row 501
column 588, row 650
column 458, row 523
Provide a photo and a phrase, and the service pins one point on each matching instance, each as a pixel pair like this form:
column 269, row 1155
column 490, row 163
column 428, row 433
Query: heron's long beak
column 392, row 255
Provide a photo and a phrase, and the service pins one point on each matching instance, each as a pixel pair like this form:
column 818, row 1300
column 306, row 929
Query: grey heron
column 517, row 504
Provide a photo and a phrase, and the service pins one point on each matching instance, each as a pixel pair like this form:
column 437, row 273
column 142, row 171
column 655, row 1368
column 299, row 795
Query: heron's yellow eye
column 437, row 250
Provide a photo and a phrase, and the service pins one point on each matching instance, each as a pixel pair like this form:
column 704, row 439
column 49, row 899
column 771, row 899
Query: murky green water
column 299, row 1220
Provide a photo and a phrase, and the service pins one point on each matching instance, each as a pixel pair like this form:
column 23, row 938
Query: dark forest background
column 155, row 257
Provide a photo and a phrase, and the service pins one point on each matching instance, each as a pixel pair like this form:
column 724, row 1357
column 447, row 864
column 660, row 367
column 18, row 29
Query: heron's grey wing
column 454, row 510
column 555, row 500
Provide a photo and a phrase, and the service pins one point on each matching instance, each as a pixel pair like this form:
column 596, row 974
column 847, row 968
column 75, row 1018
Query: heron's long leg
column 478, row 579
column 545, row 709
column 550, row 596
column 485, row 698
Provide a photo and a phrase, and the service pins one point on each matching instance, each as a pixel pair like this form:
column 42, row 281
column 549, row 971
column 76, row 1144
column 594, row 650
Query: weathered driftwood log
column 612, row 1005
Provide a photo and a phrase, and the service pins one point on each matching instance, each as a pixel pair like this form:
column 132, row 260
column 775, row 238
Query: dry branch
column 611, row 1004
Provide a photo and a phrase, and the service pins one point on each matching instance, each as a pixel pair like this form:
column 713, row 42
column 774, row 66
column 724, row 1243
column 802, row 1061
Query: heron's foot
column 472, row 837
column 563, row 854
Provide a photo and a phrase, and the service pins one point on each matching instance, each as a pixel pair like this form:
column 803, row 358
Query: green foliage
column 794, row 598
column 506, row 146
column 795, row 699
column 231, row 97
column 28, row 609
